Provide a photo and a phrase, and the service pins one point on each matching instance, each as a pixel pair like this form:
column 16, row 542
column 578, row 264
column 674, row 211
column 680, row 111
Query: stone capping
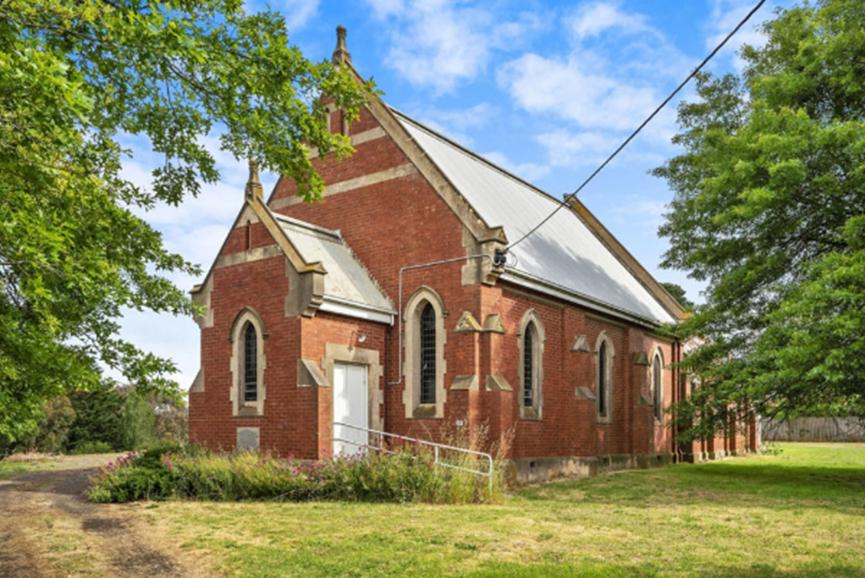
column 197, row 383
column 309, row 374
column 424, row 411
column 581, row 344
column 493, row 324
column 465, row 382
column 338, row 352
column 498, row 383
column 583, row 392
column 640, row 358
column 467, row 323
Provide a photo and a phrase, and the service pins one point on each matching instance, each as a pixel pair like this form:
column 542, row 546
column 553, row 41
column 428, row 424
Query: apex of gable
column 254, row 190
column 340, row 53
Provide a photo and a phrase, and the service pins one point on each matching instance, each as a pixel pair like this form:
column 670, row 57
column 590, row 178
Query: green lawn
column 799, row 511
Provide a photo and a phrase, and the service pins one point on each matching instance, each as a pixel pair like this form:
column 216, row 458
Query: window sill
column 248, row 411
column 530, row 413
column 424, row 411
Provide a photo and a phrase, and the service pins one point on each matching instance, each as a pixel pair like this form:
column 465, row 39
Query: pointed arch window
column 250, row 363
column 657, row 387
column 427, row 358
column 604, row 377
column 424, row 364
column 602, row 380
column 528, row 365
column 531, row 349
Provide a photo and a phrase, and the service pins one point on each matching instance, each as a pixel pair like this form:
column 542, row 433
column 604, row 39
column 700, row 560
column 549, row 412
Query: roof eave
column 530, row 281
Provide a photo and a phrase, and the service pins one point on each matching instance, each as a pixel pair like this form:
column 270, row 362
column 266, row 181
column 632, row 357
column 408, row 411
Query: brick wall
column 391, row 224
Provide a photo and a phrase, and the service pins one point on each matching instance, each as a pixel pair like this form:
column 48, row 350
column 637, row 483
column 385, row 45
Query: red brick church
column 385, row 306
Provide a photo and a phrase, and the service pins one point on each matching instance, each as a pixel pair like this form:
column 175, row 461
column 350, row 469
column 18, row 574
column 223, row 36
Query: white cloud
column 574, row 149
column 439, row 43
column 574, row 90
column 384, row 8
column 565, row 148
column 592, row 19
column 614, row 73
column 298, row 13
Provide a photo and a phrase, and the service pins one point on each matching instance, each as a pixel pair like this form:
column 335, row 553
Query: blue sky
column 545, row 89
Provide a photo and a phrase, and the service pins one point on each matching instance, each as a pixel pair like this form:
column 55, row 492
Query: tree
column 100, row 417
column 768, row 210
column 75, row 75
column 678, row 292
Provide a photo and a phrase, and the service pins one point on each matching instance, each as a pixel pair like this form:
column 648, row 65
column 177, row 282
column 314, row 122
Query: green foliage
column 92, row 448
column 98, row 418
column 403, row 476
column 678, row 292
column 768, row 209
column 74, row 252
column 139, row 421
column 51, row 437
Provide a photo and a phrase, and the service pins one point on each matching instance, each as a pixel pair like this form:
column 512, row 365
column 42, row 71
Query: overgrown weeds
column 408, row 473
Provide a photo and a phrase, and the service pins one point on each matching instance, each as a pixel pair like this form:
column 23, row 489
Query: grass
column 15, row 465
column 796, row 512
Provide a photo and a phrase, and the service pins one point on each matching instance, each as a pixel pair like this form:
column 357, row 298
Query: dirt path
column 48, row 529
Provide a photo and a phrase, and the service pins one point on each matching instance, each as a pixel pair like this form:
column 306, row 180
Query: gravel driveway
column 48, row 529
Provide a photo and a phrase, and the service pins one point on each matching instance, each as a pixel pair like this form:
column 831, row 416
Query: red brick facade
column 397, row 219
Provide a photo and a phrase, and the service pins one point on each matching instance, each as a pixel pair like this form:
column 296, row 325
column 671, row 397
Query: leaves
column 771, row 181
column 74, row 252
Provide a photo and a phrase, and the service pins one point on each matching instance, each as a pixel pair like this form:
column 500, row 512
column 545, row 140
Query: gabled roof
column 349, row 289
column 568, row 257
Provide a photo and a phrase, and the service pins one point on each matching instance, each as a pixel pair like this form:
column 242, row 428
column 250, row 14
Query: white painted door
column 351, row 407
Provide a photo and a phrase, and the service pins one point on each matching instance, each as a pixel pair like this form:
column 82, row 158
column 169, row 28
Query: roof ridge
column 476, row 156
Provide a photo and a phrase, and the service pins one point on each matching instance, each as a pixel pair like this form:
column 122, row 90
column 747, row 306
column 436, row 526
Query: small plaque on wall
column 247, row 438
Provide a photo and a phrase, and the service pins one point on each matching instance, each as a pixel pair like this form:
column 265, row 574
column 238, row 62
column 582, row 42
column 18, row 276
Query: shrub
column 406, row 475
column 92, row 448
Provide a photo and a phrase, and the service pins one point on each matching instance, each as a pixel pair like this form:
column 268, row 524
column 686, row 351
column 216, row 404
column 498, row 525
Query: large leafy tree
column 768, row 210
column 75, row 77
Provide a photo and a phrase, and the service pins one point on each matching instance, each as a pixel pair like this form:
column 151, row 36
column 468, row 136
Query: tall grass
column 404, row 473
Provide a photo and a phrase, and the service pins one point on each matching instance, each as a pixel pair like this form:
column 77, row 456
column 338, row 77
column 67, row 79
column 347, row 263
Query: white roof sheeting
column 564, row 256
column 348, row 286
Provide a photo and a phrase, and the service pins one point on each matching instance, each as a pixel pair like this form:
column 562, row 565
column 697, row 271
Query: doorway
column 350, row 407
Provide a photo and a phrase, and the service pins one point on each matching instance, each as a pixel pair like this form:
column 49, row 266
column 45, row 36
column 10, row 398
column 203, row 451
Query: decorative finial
column 254, row 190
column 340, row 54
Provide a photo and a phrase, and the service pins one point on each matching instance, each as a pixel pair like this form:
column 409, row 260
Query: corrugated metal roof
column 347, row 281
column 564, row 254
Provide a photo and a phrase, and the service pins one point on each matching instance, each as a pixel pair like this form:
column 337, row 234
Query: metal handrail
column 437, row 449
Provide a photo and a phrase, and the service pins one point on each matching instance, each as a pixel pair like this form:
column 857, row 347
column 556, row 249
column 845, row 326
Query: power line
column 567, row 198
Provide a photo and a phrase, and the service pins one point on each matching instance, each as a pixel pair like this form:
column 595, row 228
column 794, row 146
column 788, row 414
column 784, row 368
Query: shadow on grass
column 618, row 571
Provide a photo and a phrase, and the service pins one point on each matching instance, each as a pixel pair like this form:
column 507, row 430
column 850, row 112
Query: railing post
column 436, row 453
